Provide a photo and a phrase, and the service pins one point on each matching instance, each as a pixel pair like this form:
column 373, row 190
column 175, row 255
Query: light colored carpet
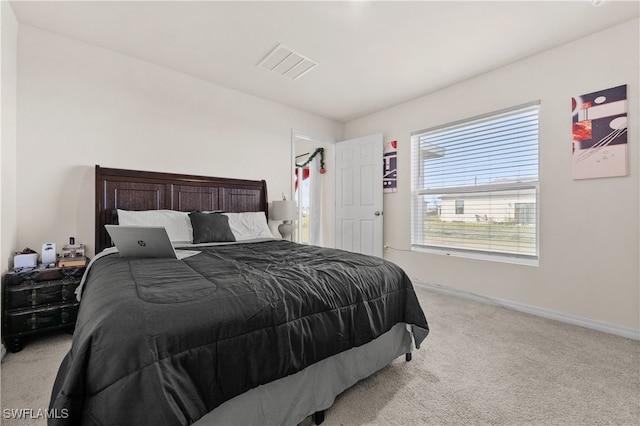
column 481, row 365
column 27, row 377
column 487, row 365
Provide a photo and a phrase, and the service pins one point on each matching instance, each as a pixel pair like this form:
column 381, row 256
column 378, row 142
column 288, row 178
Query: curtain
column 305, row 175
column 315, row 203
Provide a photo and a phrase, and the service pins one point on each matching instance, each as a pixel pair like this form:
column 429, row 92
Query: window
column 475, row 185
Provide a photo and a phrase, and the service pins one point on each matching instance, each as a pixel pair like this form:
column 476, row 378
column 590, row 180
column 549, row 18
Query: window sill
column 479, row 256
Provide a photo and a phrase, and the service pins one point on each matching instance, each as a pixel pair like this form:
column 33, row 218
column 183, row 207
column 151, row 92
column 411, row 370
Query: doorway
column 312, row 190
column 358, row 172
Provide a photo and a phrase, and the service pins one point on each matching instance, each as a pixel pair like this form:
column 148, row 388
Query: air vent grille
column 287, row 62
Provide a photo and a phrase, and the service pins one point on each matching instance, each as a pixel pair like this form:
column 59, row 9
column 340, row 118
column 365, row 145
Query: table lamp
column 286, row 211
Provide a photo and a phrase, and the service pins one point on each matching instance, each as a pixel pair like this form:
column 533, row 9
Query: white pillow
column 177, row 224
column 249, row 225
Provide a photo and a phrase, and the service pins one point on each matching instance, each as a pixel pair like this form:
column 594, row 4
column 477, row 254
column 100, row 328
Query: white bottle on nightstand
column 49, row 253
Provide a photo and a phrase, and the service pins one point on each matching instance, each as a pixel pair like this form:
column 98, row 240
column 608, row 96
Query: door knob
column 377, row 213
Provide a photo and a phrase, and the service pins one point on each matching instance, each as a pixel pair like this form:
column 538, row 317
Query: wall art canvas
column 599, row 146
column 390, row 165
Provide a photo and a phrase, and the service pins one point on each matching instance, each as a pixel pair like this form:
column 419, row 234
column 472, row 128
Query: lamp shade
column 283, row 210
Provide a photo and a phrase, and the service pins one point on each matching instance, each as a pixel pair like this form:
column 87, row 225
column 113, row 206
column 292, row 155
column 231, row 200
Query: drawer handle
column 64, row 316
column 33, row 321
column 34, row 297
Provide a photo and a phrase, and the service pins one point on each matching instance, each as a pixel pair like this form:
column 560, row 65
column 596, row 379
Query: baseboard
column 629, row 333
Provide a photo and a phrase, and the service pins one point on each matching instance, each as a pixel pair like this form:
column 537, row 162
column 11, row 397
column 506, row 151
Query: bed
column 243, row 328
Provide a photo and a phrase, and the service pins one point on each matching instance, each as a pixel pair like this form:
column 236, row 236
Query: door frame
column 329, row 159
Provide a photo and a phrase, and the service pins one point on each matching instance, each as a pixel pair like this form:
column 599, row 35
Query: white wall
column 589, row 229
column 80, row 105
column 8, row 173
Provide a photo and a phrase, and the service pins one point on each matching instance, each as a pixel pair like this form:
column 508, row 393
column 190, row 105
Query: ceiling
column 371, row 55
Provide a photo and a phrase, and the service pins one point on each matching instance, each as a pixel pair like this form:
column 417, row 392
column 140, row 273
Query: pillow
column 210, row 228
column 249, row 225
column 176, row 223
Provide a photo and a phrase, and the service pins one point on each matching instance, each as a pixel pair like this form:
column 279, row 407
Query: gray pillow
column 210, row 228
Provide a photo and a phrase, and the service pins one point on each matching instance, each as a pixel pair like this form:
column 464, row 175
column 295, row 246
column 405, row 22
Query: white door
column 359, row 223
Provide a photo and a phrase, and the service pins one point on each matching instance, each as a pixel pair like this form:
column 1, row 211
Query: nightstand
column 38, row 301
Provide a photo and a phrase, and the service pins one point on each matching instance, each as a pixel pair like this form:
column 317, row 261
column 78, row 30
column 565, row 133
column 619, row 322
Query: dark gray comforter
column 162, row 342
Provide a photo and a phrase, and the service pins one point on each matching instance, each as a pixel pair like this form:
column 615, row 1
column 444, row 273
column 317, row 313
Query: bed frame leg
column 407, row 356
column 318, row 417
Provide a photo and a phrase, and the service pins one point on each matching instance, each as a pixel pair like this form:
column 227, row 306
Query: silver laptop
column 141, row 241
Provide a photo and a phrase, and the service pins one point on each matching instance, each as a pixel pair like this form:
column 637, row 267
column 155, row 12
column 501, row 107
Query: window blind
column 475, row 184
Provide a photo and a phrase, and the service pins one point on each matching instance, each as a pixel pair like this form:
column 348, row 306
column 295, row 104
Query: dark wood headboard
column 140, row 190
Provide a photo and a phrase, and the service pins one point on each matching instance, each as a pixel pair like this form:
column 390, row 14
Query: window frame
column 418, row 212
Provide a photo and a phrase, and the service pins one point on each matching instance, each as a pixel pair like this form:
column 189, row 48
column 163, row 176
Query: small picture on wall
column 599, row 145
column 390, row 167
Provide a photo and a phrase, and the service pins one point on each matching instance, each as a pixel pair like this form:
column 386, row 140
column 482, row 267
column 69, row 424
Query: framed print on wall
column 390, row 167
column 599, row 145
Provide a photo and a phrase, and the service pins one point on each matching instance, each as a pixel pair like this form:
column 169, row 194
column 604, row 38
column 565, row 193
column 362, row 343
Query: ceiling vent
column 287, row 62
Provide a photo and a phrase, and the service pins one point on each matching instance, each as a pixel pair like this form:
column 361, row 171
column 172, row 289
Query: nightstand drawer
column 69, row 291
column 43, row 274
column 42, row 293
column 38, row 301
column 36, row 319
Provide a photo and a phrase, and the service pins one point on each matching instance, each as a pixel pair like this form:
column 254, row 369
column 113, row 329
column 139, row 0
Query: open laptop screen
column 141, row 241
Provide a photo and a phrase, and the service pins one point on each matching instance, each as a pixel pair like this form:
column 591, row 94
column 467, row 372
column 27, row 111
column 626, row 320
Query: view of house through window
column 475, row 185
